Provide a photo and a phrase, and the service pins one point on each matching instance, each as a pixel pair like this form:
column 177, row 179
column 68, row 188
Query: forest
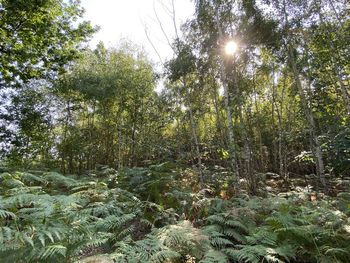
column 242, row 155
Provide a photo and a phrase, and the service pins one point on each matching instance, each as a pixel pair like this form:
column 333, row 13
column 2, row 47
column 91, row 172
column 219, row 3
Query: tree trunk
column 219, row 125
column 279, row 110
column 194, row 133
column 315, row 147
column 231, row 141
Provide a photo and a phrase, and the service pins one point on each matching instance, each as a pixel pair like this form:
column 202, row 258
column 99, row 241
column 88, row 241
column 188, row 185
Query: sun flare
column 230, row 48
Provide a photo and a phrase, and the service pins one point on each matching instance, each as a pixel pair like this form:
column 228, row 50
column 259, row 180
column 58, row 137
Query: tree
column 26, row 129
column 39, row 37
column 107, row 109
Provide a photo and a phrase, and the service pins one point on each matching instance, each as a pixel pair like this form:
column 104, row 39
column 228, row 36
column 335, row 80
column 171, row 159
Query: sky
column 128, row 19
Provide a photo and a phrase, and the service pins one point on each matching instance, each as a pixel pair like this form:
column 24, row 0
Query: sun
column 230, row 48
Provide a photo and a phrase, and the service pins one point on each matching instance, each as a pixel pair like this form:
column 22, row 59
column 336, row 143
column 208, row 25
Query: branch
column 174, row 19
column 161, row 27
column 150, row 41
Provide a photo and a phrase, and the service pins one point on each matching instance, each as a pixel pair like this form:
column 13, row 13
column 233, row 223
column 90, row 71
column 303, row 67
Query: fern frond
column 125, row 232
column 31, row 179
column 247, row 253
column 263, row 236
column 28, row 239
column 97, row 240
column 216, row 219
column 58, row 180
column 220, row 242
column 114, row 222
column 53, row 251
column 165, row 255
column 232, row 233
column 146, row 223
column 335, row 252
column 214, row 256
column 6, row 234
column 237, row 224
column 7, row 214
column 278, row 221
column 286, row 251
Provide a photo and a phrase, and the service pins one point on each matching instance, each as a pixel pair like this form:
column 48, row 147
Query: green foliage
column 39, row 37
column 50, row 217
column 170, row 243
column 108, row 109
column 338, row 152
column 284, row 230
column 150, row 183
column 214, row 256
column 226, row 230
column 60, row 216
column 284, row 113
column 104, row 110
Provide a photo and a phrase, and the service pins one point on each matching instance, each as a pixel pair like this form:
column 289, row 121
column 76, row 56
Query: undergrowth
column 151, row 215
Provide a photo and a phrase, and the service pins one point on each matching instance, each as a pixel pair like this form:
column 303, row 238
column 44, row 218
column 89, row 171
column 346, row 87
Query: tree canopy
column 38, row 38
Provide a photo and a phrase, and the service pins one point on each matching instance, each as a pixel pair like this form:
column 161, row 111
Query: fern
column 279, row 221
column 57, row 180
column 228, row 230
column 31, row 179
column 259, row 253
column 165, row 244
column 114, row 222
column 7, row 214
column 214, row 256
column 234, row 235
column 247, row 253
column 53, row 250
column 220, row 242
column 100, row 239
column 164, row 256
column 56, row 218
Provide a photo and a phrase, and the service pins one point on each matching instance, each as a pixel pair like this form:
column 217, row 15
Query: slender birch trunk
column 315, row 147
column 231, row 141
